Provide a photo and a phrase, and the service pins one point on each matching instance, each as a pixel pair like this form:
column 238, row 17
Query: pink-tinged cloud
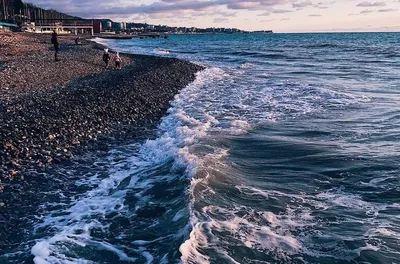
column 302, row 4
column 371, row 4
column 388, row 10
column 366, row 11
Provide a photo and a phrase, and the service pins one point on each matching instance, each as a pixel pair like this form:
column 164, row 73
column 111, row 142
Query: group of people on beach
column 106, row 55
column 107, row 58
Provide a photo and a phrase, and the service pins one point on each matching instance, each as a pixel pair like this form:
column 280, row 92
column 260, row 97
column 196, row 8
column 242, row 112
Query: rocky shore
column 51, row 112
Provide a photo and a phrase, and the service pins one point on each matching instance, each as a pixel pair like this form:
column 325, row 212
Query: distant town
column 17, row 15
column 126, row 27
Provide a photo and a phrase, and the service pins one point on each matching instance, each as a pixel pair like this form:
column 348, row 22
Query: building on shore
column 97, row 27
column 106, row 25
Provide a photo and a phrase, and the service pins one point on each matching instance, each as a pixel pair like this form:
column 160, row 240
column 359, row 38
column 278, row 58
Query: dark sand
column 52, row 112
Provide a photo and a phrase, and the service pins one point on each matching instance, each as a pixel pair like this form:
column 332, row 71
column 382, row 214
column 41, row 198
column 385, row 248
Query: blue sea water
column 285, row 149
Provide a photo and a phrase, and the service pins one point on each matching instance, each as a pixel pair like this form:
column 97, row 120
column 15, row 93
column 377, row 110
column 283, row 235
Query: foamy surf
column 72, row 226
column 161, row 51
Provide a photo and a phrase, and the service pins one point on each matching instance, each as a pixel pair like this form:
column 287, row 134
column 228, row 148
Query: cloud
column 370, row 4
column 267, row 20
column 366, row 11
column 280, row 11
column 221, row 20
column 264, row 14
column 388, row 10
column 323, row 5
column 314, row 15
column 121, row 7
column 302, row 4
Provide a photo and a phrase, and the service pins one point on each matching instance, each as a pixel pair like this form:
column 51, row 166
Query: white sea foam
column 382, row 231
column 189, row 249
column 367, row 247
column 246, row 65
column 41, row 252
column 353, row 202
column 260, row 231
column 73, row 224
column 243, row 231
column 161, row 51
column 377, row 182
column 300, row 215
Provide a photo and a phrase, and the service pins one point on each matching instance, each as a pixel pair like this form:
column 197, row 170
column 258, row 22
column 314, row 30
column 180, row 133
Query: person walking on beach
column 106, row 57
column 117, row 60
column 56, row 43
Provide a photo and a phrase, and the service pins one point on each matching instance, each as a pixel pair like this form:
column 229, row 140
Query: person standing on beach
column 118, row 61
column 56, row 43
column 106, row 57
column 78, row 41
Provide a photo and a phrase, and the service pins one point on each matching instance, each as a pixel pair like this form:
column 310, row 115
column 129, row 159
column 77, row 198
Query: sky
column 277, row 15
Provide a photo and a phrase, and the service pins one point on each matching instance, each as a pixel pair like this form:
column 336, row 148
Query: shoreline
column 47, row 122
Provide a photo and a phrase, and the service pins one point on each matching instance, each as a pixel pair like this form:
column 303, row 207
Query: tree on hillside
column 10, row 8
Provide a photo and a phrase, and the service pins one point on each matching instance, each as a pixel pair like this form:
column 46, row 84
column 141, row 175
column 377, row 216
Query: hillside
column 17, row 11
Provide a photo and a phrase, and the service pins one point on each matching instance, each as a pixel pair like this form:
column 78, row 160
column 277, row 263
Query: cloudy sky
column 278, row 15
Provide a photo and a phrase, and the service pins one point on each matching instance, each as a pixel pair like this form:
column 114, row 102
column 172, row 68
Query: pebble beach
column 52, row 112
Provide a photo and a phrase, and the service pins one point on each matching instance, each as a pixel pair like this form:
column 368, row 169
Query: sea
column 285, row 149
